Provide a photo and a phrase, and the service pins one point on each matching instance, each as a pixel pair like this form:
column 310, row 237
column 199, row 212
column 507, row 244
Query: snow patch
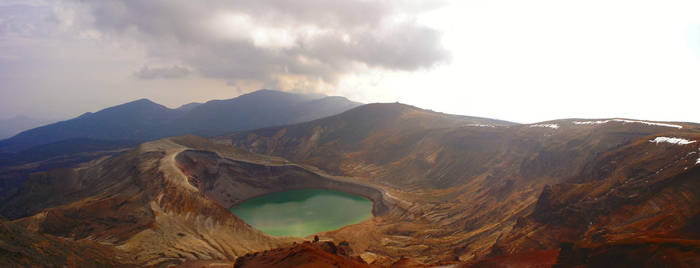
column 698, row 161
column 626, row 121
column 554, row 126
column 649, row 123
column 591, row 122
column 678, row 141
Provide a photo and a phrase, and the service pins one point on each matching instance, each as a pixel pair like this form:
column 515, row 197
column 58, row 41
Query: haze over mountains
column 447, row 189
column 11, row 126
column 143, row 120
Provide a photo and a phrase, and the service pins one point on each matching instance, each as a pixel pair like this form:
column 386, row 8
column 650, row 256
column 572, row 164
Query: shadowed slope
column 144, row 120
column 306, row 254
column 137, row 120
column 22, row 248
column 262, row 108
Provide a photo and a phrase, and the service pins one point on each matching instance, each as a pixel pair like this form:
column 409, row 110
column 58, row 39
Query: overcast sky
column 523, row 61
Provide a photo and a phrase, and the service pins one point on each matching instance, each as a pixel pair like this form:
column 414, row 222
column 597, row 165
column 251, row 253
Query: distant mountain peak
column 387, row 106
column 140, row 105
column 266, row 92
column 142, row 101
column 333, row 98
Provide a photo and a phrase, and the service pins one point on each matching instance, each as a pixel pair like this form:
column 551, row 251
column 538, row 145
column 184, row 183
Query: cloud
column 21, row 20
column 171, row 72
column 283, row 44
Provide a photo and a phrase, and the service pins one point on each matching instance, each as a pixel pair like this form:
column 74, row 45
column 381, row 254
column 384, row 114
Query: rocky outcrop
column 306, row 254
column 639, row 208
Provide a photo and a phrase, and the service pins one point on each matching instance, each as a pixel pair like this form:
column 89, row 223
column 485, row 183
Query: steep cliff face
column 636, row 204
column 228, row 181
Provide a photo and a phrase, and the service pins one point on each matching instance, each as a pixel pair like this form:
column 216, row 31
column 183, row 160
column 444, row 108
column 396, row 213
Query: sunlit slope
column 138, row 204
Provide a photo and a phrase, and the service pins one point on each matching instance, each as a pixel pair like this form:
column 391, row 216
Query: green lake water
column 303, row 212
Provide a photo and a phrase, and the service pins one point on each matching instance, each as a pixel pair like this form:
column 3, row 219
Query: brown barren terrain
column 447, row 190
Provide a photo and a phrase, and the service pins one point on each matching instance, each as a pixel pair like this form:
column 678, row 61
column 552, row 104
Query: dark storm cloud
column 162, row 72
column 275, row 42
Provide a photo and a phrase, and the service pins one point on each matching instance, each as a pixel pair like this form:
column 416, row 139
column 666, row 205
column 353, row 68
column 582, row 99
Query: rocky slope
column 15, row 168
column 20, row 247
column 447, row 190
column 307, row 254
column 636, row 204
column 479, row 189
column 138, row 204
column 166, row 202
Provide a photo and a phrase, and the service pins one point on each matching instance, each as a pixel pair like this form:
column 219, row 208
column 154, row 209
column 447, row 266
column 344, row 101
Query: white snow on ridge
column 591, row 122
column 678, row 141
column 698, row 161
column 649, row 123
column 626, row 121
column 554, row 126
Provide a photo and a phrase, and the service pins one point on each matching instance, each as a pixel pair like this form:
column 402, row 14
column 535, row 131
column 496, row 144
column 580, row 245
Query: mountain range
column 144, row 120
column 447, row 190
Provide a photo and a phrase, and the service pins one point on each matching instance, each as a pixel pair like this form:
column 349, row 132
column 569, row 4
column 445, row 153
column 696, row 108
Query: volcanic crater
column 230, row 182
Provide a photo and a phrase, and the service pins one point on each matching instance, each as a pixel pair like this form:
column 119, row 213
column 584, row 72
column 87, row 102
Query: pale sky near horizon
column 522, row 61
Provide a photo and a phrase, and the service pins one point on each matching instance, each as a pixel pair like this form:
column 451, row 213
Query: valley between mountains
column 446, row 190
